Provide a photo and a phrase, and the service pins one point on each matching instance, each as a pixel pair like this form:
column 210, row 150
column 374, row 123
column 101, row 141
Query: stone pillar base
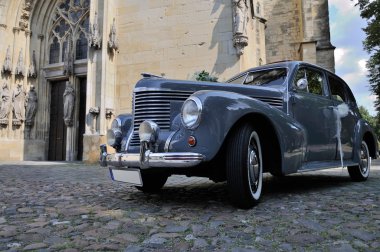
column 91, row 145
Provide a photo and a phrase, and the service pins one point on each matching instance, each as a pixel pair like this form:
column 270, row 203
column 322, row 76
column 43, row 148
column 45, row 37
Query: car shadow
column 208, row 193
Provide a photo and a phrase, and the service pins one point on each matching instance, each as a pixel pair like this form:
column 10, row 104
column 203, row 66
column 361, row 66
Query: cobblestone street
column 47, row 206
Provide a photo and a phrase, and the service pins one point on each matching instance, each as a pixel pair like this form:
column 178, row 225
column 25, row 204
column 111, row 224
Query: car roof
column 286, row 63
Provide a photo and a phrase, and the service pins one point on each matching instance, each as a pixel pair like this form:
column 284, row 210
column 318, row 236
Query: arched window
column 54, row 51
column 70, row 27
column 81, row 47
column 64, row 48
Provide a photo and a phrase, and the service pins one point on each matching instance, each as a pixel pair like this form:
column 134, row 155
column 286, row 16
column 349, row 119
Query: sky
column 350, row 58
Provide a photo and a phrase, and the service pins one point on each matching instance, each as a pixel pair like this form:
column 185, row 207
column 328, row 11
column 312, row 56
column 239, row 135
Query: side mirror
column 302, row 84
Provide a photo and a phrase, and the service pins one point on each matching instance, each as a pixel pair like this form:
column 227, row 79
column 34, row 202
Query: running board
column 317, row 165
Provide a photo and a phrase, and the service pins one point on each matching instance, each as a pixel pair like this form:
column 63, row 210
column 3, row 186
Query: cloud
column 340, row 54
column 363, row 66
column 344, row 6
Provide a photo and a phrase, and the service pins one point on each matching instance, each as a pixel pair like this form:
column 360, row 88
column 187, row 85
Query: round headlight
column 191, row 112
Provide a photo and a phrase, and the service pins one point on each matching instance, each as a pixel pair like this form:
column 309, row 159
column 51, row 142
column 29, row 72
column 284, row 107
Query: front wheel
column 244, row 167
column 361, row 172
column 152, row 182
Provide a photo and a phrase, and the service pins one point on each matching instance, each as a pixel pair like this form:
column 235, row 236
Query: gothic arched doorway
column 67, row 53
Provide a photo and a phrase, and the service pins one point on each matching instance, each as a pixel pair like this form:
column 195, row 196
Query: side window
column 314, row 79
column 337, row 89
column 350, row 96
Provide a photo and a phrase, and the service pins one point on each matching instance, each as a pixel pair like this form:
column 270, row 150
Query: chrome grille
column 154, row 105
column 275, row 102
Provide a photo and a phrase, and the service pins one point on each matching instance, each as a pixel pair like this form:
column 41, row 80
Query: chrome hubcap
column 254, row 166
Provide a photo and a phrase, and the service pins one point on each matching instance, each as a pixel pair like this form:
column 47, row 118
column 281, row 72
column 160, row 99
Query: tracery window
column 64, row 48
column 81, row 47
column 54, row 52
column 70, row 26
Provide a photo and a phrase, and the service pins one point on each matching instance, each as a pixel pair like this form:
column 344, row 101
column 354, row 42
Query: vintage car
column 280, row 118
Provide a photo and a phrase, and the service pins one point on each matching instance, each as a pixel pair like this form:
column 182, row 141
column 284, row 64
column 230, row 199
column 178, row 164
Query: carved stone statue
column 18, row 105
column 31, row 106
column 7, row 67
column 240, row 19
column 68, row 104
column 95, row 40
column 112, row 43
column 6, row 104
column 32, row 68
column 20, row 64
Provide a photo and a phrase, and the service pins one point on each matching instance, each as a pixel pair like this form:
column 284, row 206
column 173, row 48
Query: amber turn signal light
column 192, row 141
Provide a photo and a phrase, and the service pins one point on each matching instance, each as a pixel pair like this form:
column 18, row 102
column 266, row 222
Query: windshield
column 268, row 77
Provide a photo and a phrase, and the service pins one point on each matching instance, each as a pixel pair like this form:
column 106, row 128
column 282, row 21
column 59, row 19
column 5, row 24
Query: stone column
column 101, row 81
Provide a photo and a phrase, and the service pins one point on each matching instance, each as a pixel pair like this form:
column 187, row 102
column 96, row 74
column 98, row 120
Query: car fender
column 126, row 121
column 361, row 129
column 222, row 110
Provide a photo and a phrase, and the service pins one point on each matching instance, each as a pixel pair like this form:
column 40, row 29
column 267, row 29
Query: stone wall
column 299, row 30
column 283, row 34
column 174, row 39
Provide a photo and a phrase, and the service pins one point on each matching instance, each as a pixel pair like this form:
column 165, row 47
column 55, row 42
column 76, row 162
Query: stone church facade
column 69, row 66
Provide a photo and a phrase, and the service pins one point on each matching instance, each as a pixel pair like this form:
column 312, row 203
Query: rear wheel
column 152, row 182
column 361, row 172
column 244, row 167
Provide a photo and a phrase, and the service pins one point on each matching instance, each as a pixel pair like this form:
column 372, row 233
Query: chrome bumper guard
column 149, row 159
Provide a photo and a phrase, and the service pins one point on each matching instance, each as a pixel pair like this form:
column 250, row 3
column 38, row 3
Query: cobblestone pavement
column 48, row 206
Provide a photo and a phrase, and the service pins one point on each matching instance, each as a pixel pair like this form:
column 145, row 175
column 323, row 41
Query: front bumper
column 147, row 159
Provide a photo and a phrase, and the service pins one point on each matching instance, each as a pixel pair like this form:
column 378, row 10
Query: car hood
column 193, row 86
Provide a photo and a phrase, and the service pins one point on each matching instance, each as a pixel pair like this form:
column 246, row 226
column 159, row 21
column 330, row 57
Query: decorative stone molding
column 94, row 111
column 20, row 68
column 18, row 100
column 68, row 104
column 40, row 37
column 112, row 42
column 239, row 43
column 6, row 104
column 31, row 106
column 240, row 21
column 109, row 113
column 95, row 40
column 25, row 14
column 7, row 67
column 32, row 73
